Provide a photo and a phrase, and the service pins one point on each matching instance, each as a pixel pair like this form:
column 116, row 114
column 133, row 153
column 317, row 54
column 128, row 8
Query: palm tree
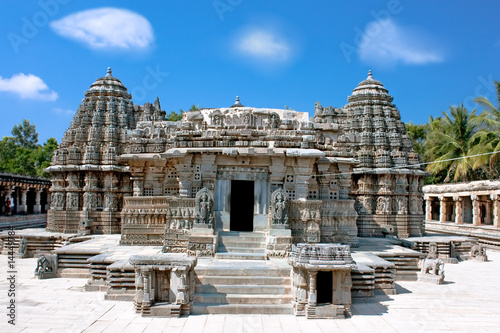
column 451, row 140
column 489, row 135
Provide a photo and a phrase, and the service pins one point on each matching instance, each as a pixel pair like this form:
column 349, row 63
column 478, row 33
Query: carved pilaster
column 23, row 208
column 37, row 208
column 476, row 213
column 442, row 209
column 312, row 287
column 458, row 209
column 428, row 209
column 496, row 209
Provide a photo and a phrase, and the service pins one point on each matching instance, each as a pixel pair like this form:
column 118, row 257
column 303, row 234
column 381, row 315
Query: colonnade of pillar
column 14, row 199
column 483, row 209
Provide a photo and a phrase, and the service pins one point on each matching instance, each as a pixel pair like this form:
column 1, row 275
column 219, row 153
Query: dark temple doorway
column 324, row 287
column 241, row 205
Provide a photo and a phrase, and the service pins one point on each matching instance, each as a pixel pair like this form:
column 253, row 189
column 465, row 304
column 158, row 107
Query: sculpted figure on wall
column 204, row 208
column 383, row 205
column 279, row 201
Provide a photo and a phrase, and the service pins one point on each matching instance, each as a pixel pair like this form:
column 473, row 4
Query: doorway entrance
column 242, row 200
column 324, row 287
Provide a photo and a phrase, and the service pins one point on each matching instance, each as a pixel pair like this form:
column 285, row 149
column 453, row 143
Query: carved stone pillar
column 185, row 185
column 345, row 181
column 301, row 186
column 496, row 209
column 312, row 287
column 49, row 199
column 146, row 301
column 208, row 171
column 476, row 212
column 303, row 171
column 23, row 207
column 442, row 209
column 488, row 217
column 138, row 184
column 37, row 208
column 277, row 172
column 458, row 209
column 428, row 209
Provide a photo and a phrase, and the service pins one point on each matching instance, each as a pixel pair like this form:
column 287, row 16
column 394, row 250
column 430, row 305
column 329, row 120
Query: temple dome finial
column 369, row 74
column 237, row 103
column 108, row 73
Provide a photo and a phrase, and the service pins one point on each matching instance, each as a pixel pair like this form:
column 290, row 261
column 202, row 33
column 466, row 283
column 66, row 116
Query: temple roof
column 369, row 85
column 108, row 85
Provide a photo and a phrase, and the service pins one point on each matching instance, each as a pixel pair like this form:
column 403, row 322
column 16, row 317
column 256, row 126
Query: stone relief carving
column 204, row 207
column 279, row 200
column 478, row 252
column 22, row 252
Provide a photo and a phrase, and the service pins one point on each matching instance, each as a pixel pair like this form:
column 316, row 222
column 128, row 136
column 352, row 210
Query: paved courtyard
column 468, row 302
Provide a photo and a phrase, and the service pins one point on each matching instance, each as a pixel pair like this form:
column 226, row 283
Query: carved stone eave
column 140, row 157
column 164, row 259
column 466, row 188
column 86, row 167
column 342, row 160
column 308, row 153
column 392, row 171
column 325, row 267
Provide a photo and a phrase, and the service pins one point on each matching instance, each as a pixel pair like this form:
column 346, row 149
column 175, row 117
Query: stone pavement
column 468, row 302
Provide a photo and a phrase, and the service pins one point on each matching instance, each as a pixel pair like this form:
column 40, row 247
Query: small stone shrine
column 321, row 274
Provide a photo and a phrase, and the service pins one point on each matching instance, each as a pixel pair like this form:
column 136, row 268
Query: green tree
column 489, row 135
column 21, row 154
column 42, row 155
column 174, row 116
column 417, row 134
column 450, row 140
column 25, row 134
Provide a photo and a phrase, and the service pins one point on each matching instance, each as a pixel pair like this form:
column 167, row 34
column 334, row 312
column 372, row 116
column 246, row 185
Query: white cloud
column 106, row 28
column 386, row 43
column 63, row 111
column 263, row 45
column 27, row 87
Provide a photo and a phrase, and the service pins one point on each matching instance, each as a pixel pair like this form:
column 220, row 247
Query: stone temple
column 235, row 183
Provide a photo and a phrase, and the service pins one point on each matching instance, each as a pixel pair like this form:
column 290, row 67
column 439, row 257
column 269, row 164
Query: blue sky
column 429, row 54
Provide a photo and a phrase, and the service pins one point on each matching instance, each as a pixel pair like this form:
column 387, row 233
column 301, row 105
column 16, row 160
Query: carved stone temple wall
column 346, row 172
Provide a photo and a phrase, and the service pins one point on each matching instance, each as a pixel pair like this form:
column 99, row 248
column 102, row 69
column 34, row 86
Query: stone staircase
column 242, row 287
column 241, row 245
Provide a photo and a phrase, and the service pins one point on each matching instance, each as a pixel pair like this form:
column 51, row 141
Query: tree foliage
column 461, row 145
column 21, row 153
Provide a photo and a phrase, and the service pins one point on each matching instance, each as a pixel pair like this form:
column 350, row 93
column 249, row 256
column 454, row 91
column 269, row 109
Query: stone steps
column 241, row 246
column 261, row 309
column 73, row 273
column 217, row 298
column 203, row 272
column 231, row 249
column 245, row 280
column 240, row 256
column 242, row 287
